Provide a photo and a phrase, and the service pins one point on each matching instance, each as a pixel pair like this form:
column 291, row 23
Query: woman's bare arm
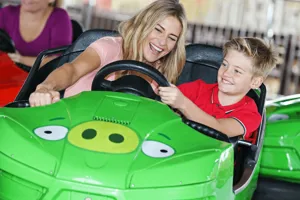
column 63, row 77
column 69, row 73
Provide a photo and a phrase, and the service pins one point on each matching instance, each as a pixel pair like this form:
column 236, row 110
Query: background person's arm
column 28, row 60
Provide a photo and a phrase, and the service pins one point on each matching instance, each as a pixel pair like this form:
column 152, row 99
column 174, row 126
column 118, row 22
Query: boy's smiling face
column 235, row 76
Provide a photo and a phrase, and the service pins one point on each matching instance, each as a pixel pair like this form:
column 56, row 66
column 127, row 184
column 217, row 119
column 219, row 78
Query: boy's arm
column 229, row 126
column 174, row 97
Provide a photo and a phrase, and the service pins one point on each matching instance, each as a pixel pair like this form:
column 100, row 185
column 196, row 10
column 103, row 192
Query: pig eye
column 157, row 149
column 51, row 132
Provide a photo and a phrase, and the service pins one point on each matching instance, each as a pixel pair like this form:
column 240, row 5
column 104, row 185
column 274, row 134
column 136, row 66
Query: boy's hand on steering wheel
column 172, row 96
column 43, row 95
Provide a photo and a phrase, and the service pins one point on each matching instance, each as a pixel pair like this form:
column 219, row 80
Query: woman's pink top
column 109, row 50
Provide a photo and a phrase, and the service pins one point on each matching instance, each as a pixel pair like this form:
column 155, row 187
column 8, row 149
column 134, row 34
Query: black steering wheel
column 132, row 84
column 6, row 43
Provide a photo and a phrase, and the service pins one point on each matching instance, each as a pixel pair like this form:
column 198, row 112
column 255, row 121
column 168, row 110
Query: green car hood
column 112, row 140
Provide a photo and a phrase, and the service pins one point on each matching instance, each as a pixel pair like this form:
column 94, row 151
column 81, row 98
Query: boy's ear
column 256, row 82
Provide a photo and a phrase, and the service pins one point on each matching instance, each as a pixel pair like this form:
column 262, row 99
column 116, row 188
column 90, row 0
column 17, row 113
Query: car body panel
column 108, row 145
column 281, row 151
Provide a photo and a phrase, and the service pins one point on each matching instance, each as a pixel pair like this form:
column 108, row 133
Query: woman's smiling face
column 162, row 39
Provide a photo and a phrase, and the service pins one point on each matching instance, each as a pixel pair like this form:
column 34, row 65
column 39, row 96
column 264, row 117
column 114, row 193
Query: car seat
column 77, row 29
column 6, row 43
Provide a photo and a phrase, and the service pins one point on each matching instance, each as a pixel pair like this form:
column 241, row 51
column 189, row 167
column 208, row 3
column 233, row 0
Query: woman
column 156, row 36
column 34, row 26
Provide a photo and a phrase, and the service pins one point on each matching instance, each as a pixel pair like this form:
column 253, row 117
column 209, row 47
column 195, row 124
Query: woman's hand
column 16, row 57
column 172, row 96
column 43, row 95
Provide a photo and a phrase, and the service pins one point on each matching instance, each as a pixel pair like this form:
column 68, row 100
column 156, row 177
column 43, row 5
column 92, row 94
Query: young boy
column 224, row 106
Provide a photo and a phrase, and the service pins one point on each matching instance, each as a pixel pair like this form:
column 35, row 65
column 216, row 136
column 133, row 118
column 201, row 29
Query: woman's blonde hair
column 135, row 30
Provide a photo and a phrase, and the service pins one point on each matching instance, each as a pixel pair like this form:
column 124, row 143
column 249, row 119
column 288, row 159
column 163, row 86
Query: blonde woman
column 155, row 36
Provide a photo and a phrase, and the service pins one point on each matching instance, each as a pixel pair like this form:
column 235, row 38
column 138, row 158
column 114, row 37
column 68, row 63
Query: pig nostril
column 89, row 134
column 116, row 138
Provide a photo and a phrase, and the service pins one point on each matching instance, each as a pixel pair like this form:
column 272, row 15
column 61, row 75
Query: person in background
column 35, row 26
column 155, row 35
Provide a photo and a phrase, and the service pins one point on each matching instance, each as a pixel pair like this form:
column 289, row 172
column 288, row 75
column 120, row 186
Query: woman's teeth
column 156, row 48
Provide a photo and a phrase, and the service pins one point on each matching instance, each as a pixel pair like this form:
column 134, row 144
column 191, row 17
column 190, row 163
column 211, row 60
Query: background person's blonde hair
column 135, row 30
column 263, row 55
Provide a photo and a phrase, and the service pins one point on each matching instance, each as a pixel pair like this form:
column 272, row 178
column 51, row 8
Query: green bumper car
column 119, row 142
column 280, row 166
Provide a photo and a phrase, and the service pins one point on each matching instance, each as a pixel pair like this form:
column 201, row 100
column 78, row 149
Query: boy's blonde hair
column 135, row 30
column 263, row 55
